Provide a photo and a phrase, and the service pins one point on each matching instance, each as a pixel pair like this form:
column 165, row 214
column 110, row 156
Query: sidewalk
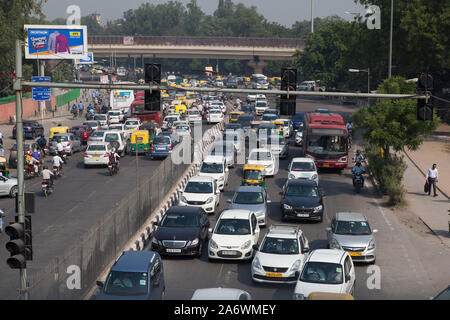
column 433, row 211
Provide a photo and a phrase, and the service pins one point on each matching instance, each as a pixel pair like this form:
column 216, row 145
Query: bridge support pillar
column 257, row 65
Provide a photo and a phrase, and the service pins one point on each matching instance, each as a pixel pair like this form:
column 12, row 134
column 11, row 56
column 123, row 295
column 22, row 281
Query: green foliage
column 62, row 72
column 392, row 122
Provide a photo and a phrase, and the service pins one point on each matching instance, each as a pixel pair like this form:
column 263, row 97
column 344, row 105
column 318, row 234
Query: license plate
column 160, row 148
column 302, row 215
column 355, row 254
column 229, row 253
column 174, row 250
column 326, row 165
column 273, row 275
column 96, row 156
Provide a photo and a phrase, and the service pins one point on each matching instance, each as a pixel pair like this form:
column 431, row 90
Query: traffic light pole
column 20, row 159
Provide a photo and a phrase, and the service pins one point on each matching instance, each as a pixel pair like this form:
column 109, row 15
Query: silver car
column 350, row 231
column 253, row 198
column 8, row 186
column 70, row 143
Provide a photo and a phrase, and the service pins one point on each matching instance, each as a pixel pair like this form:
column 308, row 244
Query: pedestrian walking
column 1, row 138
column 432, row 178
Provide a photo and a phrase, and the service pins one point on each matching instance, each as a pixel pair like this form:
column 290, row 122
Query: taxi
column 234, row 115
column 253, row 175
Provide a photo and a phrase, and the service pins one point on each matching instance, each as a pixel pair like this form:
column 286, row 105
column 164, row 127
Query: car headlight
column 220, row 179
column 335, row 244
column 287, row 207
column 343, row 159
column 256, row 264
column 318, row 208
column 246, row 245
column 210, row 199
column 314, row 177
column 260, row 213
column 298, row 296
column 213, row 244
column 291, row 176
column 183, row 199
column 296, row 265
column 193, row 242
column 371, row 245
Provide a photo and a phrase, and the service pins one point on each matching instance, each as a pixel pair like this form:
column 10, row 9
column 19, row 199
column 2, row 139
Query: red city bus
column 137, row 110
column 325, row 139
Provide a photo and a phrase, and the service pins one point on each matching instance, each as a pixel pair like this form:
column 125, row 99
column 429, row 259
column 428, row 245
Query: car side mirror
column 374, row 230
column 328, row 229
column 255, row 247
column 100, row 283
column 268, row 201
column 155, row 223
column 229, row 200
column 347, row 278
column 297, row 275
column 305, row 250
column 210, row 230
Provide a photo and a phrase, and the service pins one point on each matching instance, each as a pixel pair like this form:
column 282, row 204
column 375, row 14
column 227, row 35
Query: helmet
column 45, row 167
column 358, row 151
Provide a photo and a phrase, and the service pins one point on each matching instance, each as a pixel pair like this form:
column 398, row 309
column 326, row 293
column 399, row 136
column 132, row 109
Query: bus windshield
column 327, row 147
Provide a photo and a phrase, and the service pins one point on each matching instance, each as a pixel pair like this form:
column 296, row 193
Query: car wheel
column 13, row 192
column 283, row 218
column 200, row 250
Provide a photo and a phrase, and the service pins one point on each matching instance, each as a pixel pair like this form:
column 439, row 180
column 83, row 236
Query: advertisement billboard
column 128, row 41
column 56, row 42
column 89, row 60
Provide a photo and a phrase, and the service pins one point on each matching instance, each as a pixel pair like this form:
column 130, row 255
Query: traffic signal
column 288, row 82
column 425, row 107
column 20, row 244
column 152, row 75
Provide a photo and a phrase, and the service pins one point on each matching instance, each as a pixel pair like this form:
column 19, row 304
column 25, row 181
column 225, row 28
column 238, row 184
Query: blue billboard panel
column 41, row 94
column 56, row 42
column 89, row 60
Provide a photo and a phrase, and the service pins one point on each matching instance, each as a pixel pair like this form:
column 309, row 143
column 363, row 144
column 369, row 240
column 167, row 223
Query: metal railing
column 198, row 41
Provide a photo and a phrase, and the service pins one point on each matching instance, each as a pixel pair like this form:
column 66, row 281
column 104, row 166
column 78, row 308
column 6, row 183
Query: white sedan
column 303, row 168
column 97, row 153
column 215, row 116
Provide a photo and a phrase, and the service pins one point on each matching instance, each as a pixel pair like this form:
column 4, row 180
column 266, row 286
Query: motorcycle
column 46, row 188
column 57, row 171
column 113, row 168
column 358, row 182
column 29, row 171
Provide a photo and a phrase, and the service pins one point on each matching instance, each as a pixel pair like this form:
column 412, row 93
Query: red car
column 83, row 132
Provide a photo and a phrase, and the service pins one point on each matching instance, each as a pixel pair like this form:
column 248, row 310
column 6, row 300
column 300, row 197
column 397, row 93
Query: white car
column 287, row 128
column 263, row 156
column 114, row 116
column 121, row 128
column 299, row 138
column 235, row 234
column 112, row 136
column 182, row 130
column 219, row 104
column 102, row 119
column 214, row 116
column 326, row 270
column 261, row 106
column 193, row 115
column 201, row 192
column 303, row 168
column 281, row 256
column 132, row 124
column 97, row 153
column 226, row 149
column 219, row 83
column 236, row 137
column 170, row 120
column 220, row 294
column 92, row 124
column 216, row 168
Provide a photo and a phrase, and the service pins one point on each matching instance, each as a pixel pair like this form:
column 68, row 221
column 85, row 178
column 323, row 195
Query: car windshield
column 61, row 138
column 265, row 156
column 444, row 295
column 195, row 112
column 280, row 246
column 102, row 117
column 182, row 128
column 212, row 167
column 111, row 137
column 96, row 147
column 161, row 140
column 322, row 272
column 199, row 187
column 269, row 117
column 302, row 191
column 303, row 166
column 233, row 227
column 215, row 111
column 261, row 104
column 97, row 134
column 170, row 119
column 132, row 123
column 179, row 220
column 248, row 198
column 253, row 175
column 121, row 283
column 115, row 127
column 352, row 228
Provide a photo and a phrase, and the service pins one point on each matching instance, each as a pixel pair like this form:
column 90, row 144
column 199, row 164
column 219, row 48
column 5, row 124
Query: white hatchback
column 201, row 192
column 303, row 168
column 193, row 115
column 114, row 116
column 214, row 116
column 216, row 168
column 235, row 234
column 263, row 156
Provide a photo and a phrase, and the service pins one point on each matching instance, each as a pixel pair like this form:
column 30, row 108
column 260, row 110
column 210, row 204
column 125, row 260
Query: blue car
column 136, row 275
column 297, row 121
column 161, row 147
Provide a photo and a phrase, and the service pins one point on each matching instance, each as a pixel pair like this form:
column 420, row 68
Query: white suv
column 201, row 192
column 215, row 167
column 114, row 116
column 326, row 270
column 281, row 256
column 235, row 234
column 303, row 168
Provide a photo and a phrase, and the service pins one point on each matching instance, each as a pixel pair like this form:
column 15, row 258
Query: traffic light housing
column 20, row 244
column 152, row 76
column 288, row 82
column 425, row 107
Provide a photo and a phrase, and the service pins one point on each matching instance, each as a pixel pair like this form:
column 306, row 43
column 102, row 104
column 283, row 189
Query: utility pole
column 390, row 40
column 41, row 73
column 20, row 161
column 312, row 16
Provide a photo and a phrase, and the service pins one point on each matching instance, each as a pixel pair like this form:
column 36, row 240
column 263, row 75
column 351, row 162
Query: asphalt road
column 410, row 266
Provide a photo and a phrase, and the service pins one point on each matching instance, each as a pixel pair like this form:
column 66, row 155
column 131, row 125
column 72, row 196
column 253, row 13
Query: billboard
column 128, row 41
column 89, row 60
column 56, row 42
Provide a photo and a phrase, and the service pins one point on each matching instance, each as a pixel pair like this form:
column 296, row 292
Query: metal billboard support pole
column 20, row 158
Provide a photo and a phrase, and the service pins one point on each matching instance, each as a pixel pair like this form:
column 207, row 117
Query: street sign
column 90, row 59
column 41, row 94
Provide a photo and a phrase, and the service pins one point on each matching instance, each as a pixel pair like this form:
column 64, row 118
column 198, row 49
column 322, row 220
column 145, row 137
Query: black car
column 232, row 126
column 31, row 129
column 248, row 108
column 181, row 231
column 301, row 199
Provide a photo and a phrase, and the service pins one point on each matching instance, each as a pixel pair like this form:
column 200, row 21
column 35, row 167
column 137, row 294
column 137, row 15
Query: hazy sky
column 285, row 12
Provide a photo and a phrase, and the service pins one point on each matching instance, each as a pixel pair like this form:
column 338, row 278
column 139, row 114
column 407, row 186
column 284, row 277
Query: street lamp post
column 390, row 40
column 312, row 16
column 368, row 78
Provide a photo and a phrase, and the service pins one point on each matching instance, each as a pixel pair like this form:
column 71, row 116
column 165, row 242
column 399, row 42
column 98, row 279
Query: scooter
column 113, row 168
column 46, row 189
column 358, row 182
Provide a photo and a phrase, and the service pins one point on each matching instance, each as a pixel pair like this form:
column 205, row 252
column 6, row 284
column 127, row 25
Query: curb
column 423, row 173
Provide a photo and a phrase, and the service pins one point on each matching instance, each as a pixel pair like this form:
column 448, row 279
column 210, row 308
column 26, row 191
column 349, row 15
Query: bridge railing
column 198, row 41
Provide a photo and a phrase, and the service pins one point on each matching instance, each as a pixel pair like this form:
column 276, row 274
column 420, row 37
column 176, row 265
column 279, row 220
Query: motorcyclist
column 359, row 157
column 349, row 126
column 80, row 108
column 59, row 148
column 114, row 158
column 57, row 161
column 74, row 110
column 42, row 142
column 48, row 176
column 358, row 169
column 34, row 162
column 104, row 109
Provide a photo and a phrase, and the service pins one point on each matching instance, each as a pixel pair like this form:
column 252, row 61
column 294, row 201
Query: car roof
column 326, row 255
column 217, row 294
column 97, row 142
column 250, row 189
column 302, row 159
column 350, row 216
column 63, row 134
column 201, row 179
column 134, row 261
column 214, row 159
column 284, row 231
column 235, row 214
column 184, row 209
column 302, row 182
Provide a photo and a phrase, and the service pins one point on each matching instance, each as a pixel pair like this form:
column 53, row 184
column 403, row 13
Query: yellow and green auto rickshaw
column 4, row 167
column 234, row 115
column 140, row 141
column 58, row 129
column 280, row 126
column 253, row 175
